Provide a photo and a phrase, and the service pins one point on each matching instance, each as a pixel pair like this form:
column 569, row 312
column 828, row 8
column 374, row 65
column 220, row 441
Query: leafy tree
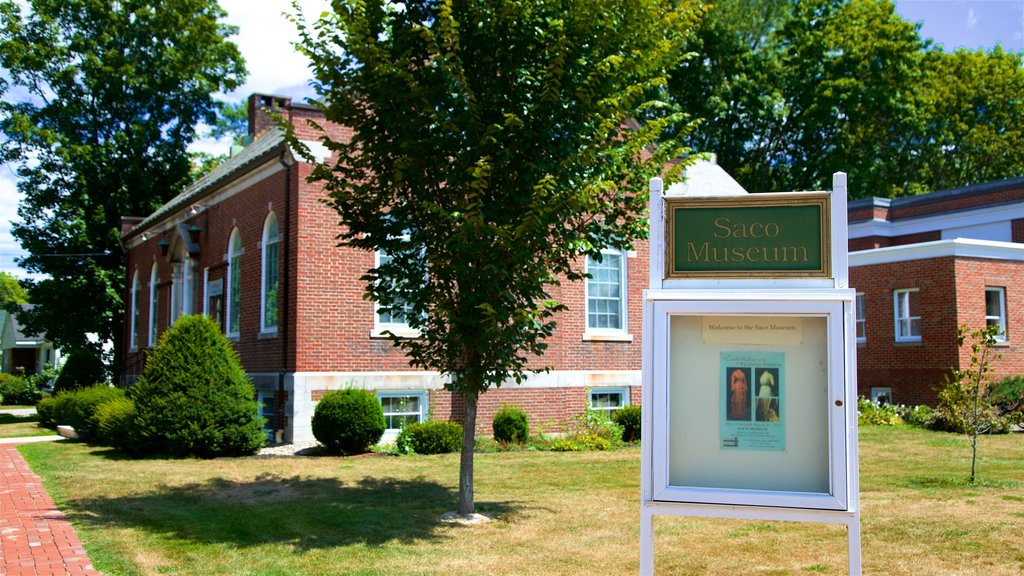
column 100, row 101
column 494, row 144
column 791, row 91
column 11, row 292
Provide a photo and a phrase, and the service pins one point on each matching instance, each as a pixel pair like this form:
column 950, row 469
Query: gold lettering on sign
column 706, row 252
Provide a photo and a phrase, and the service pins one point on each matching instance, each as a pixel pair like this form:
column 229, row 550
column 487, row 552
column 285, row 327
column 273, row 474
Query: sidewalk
column 35, row 538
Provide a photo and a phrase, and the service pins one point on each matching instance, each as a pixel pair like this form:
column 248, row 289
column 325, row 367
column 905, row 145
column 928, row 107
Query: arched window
column 234, row 283
column 269, row 300
column 154, row 303
column 136, row 311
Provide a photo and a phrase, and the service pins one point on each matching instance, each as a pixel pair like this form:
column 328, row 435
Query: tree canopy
column 494, row 144
column 100, row 101
column 11, row 292
column 793, row 91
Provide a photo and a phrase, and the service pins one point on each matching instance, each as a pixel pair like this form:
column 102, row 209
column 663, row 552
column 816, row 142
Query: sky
column 265, row 39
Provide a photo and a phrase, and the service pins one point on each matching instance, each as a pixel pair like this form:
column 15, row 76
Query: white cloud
column 972, row 19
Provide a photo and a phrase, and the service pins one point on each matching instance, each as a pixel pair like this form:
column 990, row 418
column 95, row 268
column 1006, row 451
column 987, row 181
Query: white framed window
column 861, row 319
column 881, row 395
column 995, row 310
column 394, row 321
column 907, row 314
column 403, row 408
column 154, row 303
column 269, row 297
column 606, row 295
column 234, row 277
column 136, row 311
column 608, row 400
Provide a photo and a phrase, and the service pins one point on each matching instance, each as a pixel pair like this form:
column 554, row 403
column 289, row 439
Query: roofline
column 938, row 195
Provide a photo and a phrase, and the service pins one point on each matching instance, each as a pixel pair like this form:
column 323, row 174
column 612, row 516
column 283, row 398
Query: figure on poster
column 767, row 395
column 739, row 394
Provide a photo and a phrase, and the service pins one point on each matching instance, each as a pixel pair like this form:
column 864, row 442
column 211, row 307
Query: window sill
column 1001, row 344
column 607, row 337
column 267, row 335
column 907, row 343
column 401, row 332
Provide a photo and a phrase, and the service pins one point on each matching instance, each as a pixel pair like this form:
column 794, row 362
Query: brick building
column 252, row 245
column 924, row 265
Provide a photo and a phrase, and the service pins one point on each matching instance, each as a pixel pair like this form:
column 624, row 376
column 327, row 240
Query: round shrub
column 629, row 418
column 81, row 411
column 82, row 369
column 115, row 424
column 17, row 390
column 348, row 421
column 46, row 409
column 430, row 438
column 510, row 425
column 193, row 398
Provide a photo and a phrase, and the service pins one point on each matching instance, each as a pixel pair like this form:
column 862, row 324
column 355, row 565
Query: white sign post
column 749, row 383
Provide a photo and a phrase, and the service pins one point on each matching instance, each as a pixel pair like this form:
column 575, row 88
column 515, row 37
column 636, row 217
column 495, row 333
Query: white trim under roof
column 960, row 247
column 938, row 222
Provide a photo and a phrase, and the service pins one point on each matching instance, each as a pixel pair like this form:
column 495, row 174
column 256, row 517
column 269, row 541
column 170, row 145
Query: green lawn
column 20, row 426
column 557, row 513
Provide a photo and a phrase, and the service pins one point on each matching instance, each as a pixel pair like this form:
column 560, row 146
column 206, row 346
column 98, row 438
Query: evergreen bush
column 348, row 421
column 629, row 418
column 46, row 409
column 430, row 438
column 83, row 404
column 115, row 424
column 194, row 398
column 18, row 390
column 82, row 369
column 510, row 425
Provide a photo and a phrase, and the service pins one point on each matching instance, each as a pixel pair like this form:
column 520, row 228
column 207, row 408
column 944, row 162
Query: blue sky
column 968, row 24
column 265, row 40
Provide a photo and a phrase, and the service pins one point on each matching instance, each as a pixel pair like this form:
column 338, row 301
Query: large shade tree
column 100, row 101
column 495, row 142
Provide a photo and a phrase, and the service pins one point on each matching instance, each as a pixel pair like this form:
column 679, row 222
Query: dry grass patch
column 556, row 513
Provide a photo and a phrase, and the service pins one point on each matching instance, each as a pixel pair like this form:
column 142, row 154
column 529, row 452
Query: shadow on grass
column 304, row 513
column 933, row 483
column 12, row 419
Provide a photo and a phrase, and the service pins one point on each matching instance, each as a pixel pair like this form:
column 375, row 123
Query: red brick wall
column 913, row 370
column 973, row 275
column 1017, row 230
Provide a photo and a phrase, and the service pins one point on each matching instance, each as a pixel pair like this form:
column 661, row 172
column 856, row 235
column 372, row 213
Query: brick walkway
column 35, row 538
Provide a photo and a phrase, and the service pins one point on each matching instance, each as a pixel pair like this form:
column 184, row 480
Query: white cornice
column 938, row 222
column 960, row 247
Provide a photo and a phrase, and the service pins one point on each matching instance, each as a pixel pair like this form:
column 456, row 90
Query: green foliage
column 77, row 408
column 921, row 416
column 82, row 369
column 629, row 418
column 510, row 424
column 100, row 103
column 565, row 445
column 595, row 423
column 46, row 409
column 431, row 437
column 115, row 424
column 963, row 404
column 875, row 414
column 1007, row 396
column 794, row 91
column 18, row 390
column 348, row 421
column 494, row 144
column 11, row 292
column 193, row 398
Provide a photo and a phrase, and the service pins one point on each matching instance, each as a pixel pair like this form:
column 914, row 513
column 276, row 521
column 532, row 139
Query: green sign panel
column 758, row 236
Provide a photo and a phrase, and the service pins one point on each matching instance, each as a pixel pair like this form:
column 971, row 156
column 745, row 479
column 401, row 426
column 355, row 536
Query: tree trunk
column 466, row 504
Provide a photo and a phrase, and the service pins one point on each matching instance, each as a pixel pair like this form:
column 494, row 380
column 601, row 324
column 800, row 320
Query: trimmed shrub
column 510, row 425
column 81, row 412
column 115, row 424
column 629, row 418
column 348, row 421
column 17, row 390
column 46, row 409
column 193, row 398
column 921, row 416
column 432, row 437
column 82, row 369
